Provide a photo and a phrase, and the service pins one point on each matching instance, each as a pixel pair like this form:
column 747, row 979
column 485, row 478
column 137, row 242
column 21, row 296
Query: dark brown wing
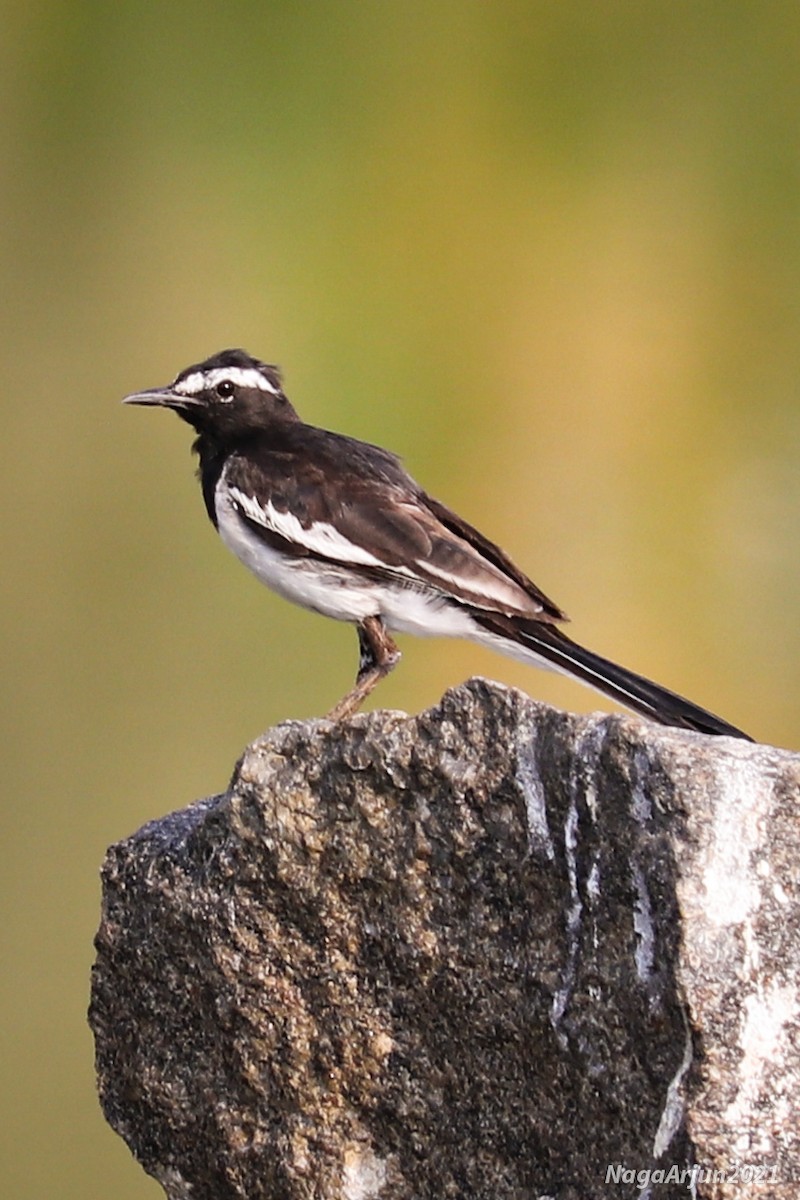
column 497, row 557
column 353, row 503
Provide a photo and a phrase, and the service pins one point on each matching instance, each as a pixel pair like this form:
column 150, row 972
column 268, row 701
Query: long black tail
column 553, row 648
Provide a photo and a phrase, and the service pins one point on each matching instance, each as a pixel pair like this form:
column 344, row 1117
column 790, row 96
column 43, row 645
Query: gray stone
column 493, row 951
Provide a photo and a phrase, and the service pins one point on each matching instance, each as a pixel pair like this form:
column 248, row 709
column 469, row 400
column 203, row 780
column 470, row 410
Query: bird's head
column 227, row 396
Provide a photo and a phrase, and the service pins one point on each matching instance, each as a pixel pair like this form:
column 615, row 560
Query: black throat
column 212, row 458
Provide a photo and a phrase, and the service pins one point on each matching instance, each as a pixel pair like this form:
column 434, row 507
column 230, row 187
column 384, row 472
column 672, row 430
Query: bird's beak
column 164, row 398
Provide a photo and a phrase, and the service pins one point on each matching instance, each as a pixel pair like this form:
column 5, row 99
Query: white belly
column 327, row 590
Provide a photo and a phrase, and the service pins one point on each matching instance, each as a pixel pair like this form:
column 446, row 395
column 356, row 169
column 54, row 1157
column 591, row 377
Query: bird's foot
column 379, row 655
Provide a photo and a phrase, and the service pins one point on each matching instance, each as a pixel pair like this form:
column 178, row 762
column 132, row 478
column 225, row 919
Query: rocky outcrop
column 493, row 951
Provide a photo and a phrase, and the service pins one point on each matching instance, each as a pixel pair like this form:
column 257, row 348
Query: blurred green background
column 549, row 252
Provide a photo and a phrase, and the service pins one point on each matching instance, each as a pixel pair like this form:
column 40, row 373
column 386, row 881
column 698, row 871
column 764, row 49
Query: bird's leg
column 378, row 655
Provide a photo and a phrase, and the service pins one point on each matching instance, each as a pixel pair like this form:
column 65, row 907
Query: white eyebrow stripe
column 246, row 377
column 320, row 538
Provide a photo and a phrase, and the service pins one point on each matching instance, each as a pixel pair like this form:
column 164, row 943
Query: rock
column 493, row 951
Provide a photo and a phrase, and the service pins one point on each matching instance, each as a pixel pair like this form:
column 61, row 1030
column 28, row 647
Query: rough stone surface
column 493, row 951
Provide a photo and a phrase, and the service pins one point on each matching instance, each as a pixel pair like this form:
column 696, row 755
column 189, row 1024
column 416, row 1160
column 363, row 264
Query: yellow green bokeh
column 549, row 252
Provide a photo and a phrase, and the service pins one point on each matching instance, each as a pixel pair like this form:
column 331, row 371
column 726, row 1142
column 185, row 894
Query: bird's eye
column 225, row 389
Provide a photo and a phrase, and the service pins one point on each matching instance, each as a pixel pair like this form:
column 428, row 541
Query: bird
column 339, row 526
